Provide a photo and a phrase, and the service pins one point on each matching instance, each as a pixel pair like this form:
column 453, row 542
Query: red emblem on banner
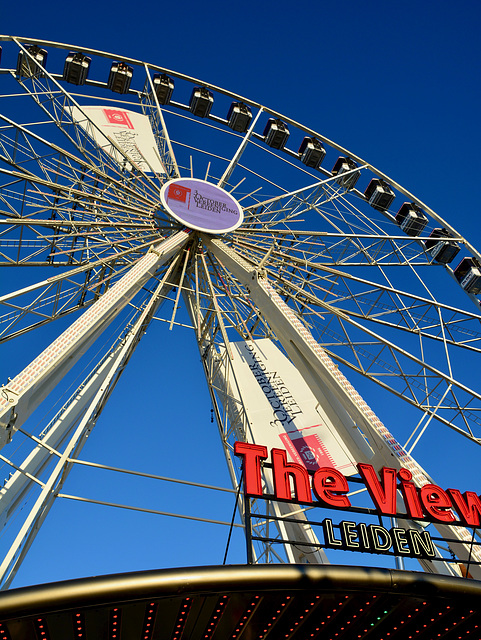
column 119, row 117
column 176, row 192
column 309, row 451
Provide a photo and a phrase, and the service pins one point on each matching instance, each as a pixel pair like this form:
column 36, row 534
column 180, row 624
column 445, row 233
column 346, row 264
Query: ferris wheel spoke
column 391, row 367
column 215, row 305
column 55, row 300
column 51, row 102
column 306, row 280
column 96, row 247
column 340, row 248
column 27, row 241
column 348, row 213
column 87, row 282
column 188, row 167
column 235, row 303
column 31, row 246
column 238, row 154
column 234, row 299
column 209, row 154
column 336, row 251
column 312, row 196
column 411, row 374
column 62, row 294
column 366, row 300
column 32, row 155
column 59, row 106
column 56, row 191
column 42, row 310
column 150, row 104
column 357, row 337
column 429, row 390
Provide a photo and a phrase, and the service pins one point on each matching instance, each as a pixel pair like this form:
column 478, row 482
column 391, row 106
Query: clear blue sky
column 396, row 83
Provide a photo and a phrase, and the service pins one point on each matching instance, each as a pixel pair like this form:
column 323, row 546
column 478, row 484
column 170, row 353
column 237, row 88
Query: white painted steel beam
column 224, row 389
column 330, row 386
column 17, row 486
column 323, row 377
column 28, row 389
column 76, row 423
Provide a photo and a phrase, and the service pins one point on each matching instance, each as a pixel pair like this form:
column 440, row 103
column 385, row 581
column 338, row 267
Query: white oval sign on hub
column 201, row 205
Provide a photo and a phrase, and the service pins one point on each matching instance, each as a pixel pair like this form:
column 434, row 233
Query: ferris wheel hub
column 201, row 205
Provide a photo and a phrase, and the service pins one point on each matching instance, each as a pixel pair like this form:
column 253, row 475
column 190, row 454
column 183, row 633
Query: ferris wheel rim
column 261, row 107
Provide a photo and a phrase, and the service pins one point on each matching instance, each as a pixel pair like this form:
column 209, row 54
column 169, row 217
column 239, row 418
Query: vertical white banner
column 284, row 413
column 122, row 129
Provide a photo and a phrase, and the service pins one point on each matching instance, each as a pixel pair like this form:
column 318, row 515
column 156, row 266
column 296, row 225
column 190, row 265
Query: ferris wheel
column 132, row 193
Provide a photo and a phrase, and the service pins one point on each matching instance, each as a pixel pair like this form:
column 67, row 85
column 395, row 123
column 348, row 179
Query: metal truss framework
column 334, row 281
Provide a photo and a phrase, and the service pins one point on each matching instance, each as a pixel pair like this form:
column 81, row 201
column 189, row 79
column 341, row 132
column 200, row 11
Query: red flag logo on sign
column 119, row 117
column 176, row 192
